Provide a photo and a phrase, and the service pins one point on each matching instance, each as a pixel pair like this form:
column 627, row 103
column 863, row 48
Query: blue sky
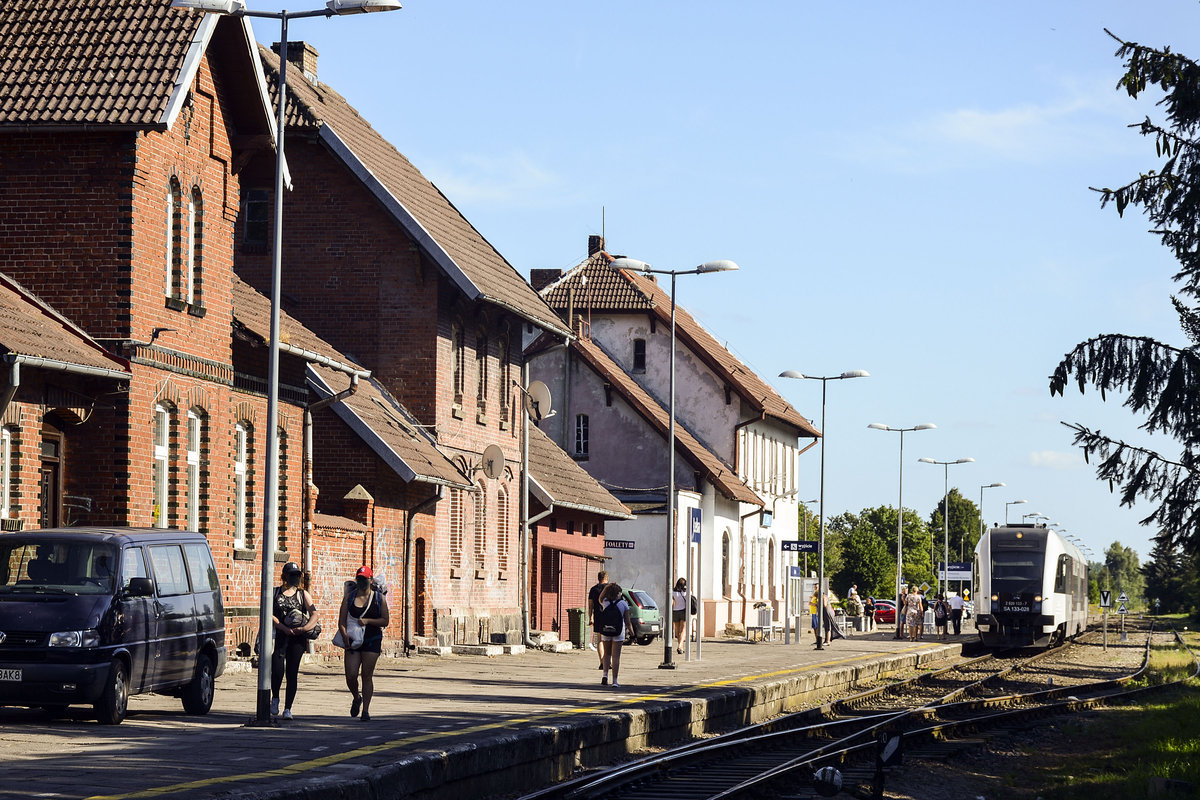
column 905, row 186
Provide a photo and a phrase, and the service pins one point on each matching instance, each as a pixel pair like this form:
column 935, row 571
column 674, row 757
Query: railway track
column 861, row 735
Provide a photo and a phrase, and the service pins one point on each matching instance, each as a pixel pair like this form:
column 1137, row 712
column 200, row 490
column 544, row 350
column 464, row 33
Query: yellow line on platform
column 392, row 744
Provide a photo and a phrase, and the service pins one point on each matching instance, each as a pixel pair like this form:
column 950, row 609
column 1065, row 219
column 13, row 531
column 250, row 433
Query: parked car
column 885, row 612
column 94, row 615
column 644, row 614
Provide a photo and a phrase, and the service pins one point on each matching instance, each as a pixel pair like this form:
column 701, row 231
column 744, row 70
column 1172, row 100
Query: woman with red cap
column 367, row 605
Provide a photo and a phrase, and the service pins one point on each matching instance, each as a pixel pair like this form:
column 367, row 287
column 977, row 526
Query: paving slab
column 442, row 726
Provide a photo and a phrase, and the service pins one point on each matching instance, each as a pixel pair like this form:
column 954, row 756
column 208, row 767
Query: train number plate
column 1019, row 608
column 10, row 675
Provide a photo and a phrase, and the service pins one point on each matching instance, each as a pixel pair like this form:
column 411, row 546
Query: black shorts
column 372, row 645
column 678, row 615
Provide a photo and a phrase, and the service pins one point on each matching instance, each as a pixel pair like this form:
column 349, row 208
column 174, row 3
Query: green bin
column 577, row 626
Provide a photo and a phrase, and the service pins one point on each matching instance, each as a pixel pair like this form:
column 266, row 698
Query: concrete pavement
column 461, row 725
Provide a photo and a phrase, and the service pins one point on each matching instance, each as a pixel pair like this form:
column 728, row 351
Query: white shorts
column 618, row 639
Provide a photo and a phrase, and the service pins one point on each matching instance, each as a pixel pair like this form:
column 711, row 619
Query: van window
column 133, row 565
column 169, row 570
column 200, row 564
column 29, row 564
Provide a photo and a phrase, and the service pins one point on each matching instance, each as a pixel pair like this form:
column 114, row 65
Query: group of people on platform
column 362, row 618
column 911, row 616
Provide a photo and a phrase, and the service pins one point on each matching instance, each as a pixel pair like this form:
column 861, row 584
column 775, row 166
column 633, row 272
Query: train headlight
column 1037, row 598
column 995, row 598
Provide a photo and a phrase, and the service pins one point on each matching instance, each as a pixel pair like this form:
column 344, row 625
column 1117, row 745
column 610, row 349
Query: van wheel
column 198, row 695
column 645, row 640
column 112, row 705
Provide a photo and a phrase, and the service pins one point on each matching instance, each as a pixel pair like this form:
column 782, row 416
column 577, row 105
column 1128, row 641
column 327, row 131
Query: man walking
column 956, row 612
column 594, row 611
column 900, row 601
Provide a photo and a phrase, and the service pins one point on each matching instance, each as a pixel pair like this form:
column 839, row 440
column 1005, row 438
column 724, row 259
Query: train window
column 1017, row 572
column 1061, row 575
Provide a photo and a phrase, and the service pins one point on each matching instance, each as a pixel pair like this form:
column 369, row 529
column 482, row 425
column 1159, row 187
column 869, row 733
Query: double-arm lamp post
column 1011, row 503
column 982, row 523
column 945, row 582
column 879, row 426
column 237, row 8
column 633, row 265
column 854, row 373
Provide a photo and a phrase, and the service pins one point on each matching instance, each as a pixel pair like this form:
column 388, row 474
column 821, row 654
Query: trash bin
column 577, row 626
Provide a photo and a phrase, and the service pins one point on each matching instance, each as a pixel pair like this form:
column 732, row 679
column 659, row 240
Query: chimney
column 302, row 55
column 541, row 278
column 595, row 244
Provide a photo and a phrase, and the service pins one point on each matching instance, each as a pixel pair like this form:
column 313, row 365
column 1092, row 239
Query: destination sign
column 618, row 544
column 798, row 546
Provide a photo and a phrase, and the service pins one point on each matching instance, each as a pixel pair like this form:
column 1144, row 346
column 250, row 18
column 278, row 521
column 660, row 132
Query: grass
column 1118, row 755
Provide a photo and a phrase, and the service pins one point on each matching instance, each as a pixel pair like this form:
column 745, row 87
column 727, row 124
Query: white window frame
column 480, row 525
column 502, row 529
column 170, row 286
column 241, row 436
column 160, row 473
column 195, row 434
column 190, row 257
column 5, row 473
column 457, row 523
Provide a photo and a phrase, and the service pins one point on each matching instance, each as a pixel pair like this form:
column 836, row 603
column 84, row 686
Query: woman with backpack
column 941, row 615
column 363, row 605
column 294, row 615
column 679, row 602
column 613, row 622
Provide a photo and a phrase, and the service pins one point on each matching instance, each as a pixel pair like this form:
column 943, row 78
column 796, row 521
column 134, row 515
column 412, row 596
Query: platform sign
column 619, row 544
column 1123, row 598
column 1105, row 598
column 959, row 571
column 795, row 572
column 695, row 515
column 799, row 546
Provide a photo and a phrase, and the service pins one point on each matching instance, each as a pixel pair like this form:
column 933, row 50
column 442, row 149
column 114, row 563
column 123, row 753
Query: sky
column 905, row 187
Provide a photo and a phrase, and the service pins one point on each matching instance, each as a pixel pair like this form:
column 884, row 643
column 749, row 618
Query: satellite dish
column 493, row 461
column 537, row 401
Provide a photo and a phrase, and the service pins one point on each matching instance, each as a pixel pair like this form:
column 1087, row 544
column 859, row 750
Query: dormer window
column 639, row 355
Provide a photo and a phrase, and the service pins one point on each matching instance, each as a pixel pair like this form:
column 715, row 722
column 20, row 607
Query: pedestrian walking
column 294, row 615
column 364, row 605
column 900, row 603
column 815, row 615
column 679, row 612
column 594, row 611
column 941, row 615
column 614, row 622
column 914, row 613
column 956, row 612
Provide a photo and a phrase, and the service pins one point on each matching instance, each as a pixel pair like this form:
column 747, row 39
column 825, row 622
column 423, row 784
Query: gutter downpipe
column 307, row 525
column 14, row 374
column 408, row 576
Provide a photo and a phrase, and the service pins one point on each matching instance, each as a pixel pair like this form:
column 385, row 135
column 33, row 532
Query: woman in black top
column 368, row 606
column 294, row 615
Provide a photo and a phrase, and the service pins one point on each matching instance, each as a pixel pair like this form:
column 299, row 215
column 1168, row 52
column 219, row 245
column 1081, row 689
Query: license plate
column 10, row 674
column 653, row 627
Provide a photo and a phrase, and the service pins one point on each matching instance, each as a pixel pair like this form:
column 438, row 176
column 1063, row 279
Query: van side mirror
column 139, row 587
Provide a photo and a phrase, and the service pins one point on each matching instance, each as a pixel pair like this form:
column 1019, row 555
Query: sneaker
column 616, row 685
column 287, row 713
column 274, row 706
column 604, row 681
column 366, row 717
column 355, row 705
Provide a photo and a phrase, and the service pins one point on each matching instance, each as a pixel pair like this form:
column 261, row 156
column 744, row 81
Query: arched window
column 159, row 475
column 281, row 471
column 456, row 528
column 502, row 537
column 241, row 458
column 195, row 247
column 174, row 237
column 480, row 525
column 195, row 495
column 772, row 579
column 639, row 355
column 504, row 378
column 581, row 434
column 481, row 369
column 726, row 588
column 6, row 460
column 457, row 354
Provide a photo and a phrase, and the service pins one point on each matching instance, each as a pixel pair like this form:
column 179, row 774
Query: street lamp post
column 1027, row 516
column 854, row 373
column 804, row 506
column 879, row 426
column 982, row 528
column 237, row 8
column 633, row 265
column 945, row 582
column 1011, row 503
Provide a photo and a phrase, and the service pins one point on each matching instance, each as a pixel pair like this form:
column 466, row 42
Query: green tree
column 1161, row 381
column 1171, row 579
column 1126, row 571
column 868, row 553
column 963, row 528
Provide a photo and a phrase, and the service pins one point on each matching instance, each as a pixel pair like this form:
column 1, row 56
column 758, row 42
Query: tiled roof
column 720, row 474
column 29, row 327
column 440, row 229
column 566, row 482
column 593, row 285
column 387, row 427
column 252, row 311
column 93, row 62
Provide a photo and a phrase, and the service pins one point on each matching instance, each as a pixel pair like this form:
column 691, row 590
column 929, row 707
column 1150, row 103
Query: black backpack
column 611, row 620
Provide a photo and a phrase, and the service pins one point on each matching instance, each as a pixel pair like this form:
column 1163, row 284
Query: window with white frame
column 581, row 434
column 502, row 529
column 195, row 437
column 162, row 449
column 6, row 510
column 456, row 528
column 191, row 256
column 174, row 202
column 480, row 525
column 241, row 447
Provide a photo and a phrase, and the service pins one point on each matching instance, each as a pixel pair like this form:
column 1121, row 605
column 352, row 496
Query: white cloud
column 510, row 180
column 1053, row 459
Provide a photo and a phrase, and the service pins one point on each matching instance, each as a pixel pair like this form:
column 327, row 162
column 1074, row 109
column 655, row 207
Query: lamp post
column 1027, row 516
column 237, row 8
column 982, row 523
column 1011, row 503
column 854, row 373
column 945, row 582
column 804, row 506
column 633, row 265
column 879, row 426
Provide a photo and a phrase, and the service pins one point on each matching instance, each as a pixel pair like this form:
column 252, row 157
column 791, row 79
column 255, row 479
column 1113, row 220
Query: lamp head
column 855, row 373
column 879, row 426
column 716, row 266
column 994, row 485
column 1016, row 502
column 631, row 264
column 924, row 426
column 213, row 6
column 965, row 461
column 361, row 6
column 792, row 373
column 927, row 461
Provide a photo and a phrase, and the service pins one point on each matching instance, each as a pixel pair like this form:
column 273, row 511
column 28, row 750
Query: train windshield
column 1017, row 571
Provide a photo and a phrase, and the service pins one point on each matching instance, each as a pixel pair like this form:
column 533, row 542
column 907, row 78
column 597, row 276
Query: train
column 1033, row 587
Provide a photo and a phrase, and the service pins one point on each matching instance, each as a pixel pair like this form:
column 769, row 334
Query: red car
column 885, row 612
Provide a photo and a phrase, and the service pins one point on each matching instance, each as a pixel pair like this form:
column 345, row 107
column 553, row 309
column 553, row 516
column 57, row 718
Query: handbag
column 354, row 632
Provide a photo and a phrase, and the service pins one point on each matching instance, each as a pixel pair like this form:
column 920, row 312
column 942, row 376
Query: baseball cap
column 291, row 566
column 364, row 572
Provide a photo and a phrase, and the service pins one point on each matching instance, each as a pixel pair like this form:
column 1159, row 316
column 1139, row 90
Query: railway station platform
column 442, row 727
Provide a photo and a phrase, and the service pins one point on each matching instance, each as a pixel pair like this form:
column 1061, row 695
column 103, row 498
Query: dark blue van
column 94, row 615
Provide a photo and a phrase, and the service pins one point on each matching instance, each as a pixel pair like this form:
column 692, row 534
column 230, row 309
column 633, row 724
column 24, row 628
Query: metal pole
column 271, row 499
column 821, row 546
column 667, row 662
column 900, row 541
column 945, row 582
